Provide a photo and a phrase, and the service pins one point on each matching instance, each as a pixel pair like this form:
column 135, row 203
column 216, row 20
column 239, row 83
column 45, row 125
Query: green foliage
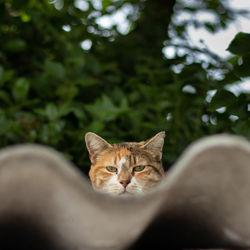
column 240, row 44
column 241, row 47
column 52, row 91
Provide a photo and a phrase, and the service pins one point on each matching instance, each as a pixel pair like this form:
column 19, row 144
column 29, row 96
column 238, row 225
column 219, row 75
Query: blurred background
column 124, row 69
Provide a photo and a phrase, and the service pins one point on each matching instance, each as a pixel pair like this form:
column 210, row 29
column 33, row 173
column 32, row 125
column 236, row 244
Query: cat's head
column 125, row 168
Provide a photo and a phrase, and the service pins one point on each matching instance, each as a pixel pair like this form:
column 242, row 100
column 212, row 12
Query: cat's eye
column 138, row 168
column 111, row 169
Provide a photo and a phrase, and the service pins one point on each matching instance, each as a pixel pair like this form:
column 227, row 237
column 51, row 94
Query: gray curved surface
column 204, row 201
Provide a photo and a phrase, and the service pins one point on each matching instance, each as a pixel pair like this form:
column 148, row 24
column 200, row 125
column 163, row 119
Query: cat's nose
column 125, row 183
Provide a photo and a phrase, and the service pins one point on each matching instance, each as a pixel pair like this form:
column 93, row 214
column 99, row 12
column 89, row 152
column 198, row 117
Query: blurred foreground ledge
column 204, row 201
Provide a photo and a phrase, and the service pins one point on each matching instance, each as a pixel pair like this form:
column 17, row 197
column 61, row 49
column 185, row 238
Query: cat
column 125, row 168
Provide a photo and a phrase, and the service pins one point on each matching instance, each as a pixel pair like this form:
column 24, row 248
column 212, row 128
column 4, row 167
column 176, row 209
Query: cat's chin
column 125, row 194
column 128, row 193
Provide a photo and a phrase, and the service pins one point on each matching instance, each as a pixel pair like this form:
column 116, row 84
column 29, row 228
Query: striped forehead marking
column 122, row 153
column 121, row 162
column 125, row 160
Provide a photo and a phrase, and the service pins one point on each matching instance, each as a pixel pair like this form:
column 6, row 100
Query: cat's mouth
column 125, row 192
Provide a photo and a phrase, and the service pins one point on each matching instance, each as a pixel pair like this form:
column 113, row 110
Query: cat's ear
column 95, row 145
column 155, row 144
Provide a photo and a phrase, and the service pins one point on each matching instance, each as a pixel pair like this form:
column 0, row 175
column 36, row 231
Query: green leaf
column 54, row 69
column 64, row 109
column 239, row 107
column 44, row 134
column 52, row 132
column 242, row 128
column 7, row 75
column 51, row 111
column 20, row 89
column 104, row 109
column 210, row 26
column 87, row 81
column 222, row 98
column 96, row 126
column 25, row 17
column 240, row 44
column 106, row 3
column 4, row 97
column 67, row 91
column 93, row 64
column 244, row 69
column 78, row 111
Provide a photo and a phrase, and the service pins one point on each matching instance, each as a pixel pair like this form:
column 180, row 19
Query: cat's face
column 126, row 168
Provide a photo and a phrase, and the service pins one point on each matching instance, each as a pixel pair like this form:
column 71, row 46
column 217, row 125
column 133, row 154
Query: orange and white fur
column 125, row 168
